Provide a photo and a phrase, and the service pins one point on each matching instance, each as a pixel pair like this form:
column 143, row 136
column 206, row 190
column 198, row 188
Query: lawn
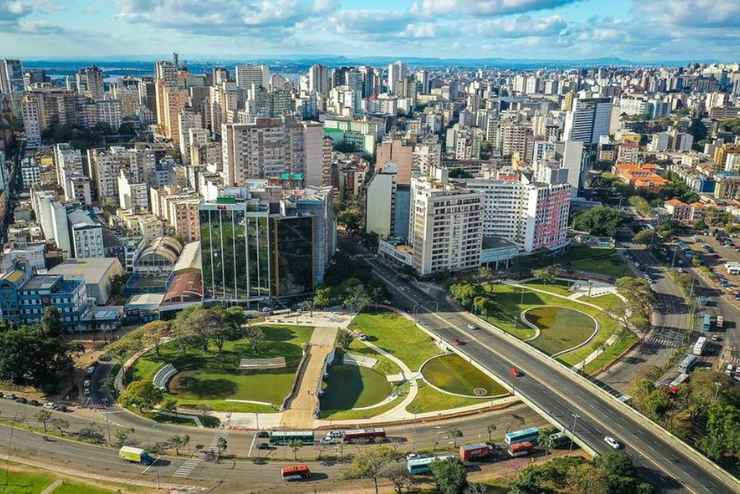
column 453, row 374
column 24, row 482
column 625, row 341
column 429, row 399
column 396, row 335
column 591, row 260
column 559, row 287
column 560, row 328
column 72, row 488
column 207, row 421
column 352, row 386
column 507, row 300
column 211, row 378
column 608, row 302
column 402, row 391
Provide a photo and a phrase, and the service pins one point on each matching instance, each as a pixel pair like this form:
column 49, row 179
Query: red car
column 515, row 372
column 458, row 342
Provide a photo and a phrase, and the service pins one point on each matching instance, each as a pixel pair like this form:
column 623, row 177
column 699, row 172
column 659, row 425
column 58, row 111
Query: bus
column 416, row 466
column 687, row 363
column 707, row 322
column 531, row 435
column 698, row 348
column 364, row 435
column 283, row 438
column 295, row 472
column 520, row 449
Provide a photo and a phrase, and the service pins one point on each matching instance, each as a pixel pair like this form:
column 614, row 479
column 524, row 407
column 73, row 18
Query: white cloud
column 483, row 8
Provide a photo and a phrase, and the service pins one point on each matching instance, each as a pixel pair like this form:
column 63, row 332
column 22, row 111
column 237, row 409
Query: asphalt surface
column 560, row 397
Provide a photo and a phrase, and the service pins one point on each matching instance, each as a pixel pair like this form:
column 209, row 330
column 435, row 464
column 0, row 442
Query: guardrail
column 587, row 384
column 163, row 376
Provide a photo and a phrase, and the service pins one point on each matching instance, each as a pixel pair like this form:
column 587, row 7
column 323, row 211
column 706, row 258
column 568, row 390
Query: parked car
column 472, row 327
column 34, row 403
column 263, row 446
column 21, row 400
column 11, row 396
column 515, row 372
column 263, row 434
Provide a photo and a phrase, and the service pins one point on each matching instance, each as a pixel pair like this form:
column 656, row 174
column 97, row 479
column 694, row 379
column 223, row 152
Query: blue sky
column 649, row 30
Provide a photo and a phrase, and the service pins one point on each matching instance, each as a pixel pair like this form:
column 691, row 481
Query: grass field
column 26, row 482
column 429, row 399
column 211, row 378
column 609, row 302
column 351, row 386
column 452, row 373
column 396, row 335
column 559, row 287
column 20, row 479
column 590, row 260
column 402, row 391
column 510, row 301
column 560, row 328
column 74, row 488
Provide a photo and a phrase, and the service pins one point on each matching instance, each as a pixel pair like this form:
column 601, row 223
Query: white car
column 612, row 442
column 472, row 327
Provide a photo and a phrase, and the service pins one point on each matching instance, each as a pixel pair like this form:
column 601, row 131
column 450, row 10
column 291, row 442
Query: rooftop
column 92, row 269
column 42, row 282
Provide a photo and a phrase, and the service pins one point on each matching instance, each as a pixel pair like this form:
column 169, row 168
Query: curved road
column 559, row 395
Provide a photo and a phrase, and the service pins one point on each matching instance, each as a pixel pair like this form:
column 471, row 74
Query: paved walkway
column 52, row 487
column 305, row 402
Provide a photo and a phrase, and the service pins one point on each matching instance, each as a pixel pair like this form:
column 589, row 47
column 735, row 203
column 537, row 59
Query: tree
column 59, row 424
column 454, row 435
column 254, row 335
column 546, row 274
column 141, row 394
column 295, row 445
column 344, row 339
column 450, row 476
column 178, row 442
column 169, row 405
column 43, row 416
column 357, row 298
column 600, row 221
column 491, row 428
column 91, row 434
column 399, row 477
column 640, row 299
column 722, row 438
column 322, row 298
column 121, row 437
column 51, row 322
column 154, row 332
column 30, row 356
column 644, row 237
column 373, row 464
column 699, row 131
column 350, row 219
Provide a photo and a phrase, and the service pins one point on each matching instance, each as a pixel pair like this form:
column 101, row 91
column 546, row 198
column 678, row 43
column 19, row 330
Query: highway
column 557, row 395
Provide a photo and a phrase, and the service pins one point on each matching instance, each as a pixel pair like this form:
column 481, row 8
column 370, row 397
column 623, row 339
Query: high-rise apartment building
column 11, row 76
column 444, row 225
column 246, row 75
column 399, row 153
column 588, row 120
column 90, row 83
column 87, row 235
column 271, row 147
column 318, row 80
column 397, row 72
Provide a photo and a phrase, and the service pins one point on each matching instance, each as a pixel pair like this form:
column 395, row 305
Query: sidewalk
column 301, row 411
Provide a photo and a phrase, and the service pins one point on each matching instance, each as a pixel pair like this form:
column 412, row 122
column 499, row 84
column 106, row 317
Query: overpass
column 567, row 399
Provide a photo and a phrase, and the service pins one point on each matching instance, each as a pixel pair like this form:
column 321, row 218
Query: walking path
column 301, row 412
column 52, row 487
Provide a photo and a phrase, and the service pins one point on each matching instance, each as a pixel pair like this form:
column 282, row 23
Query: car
column 21, row 400
column 612, row 442
column 458, row 342
column 263, row 446
column 715, row 337
column 87, row 383
column 515, row 372
column 50, row 405
column 330, row 440
column 11, row 396
column 472, row 327
column 34, row 403
column 263, row 434
column 728, row 369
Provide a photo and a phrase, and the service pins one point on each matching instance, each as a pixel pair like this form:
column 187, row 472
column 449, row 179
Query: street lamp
column 573, row 430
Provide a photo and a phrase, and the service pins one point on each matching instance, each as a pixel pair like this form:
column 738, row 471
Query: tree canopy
column 600, row 221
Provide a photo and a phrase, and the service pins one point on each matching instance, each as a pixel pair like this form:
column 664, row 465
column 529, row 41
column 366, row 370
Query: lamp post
column 573, row 430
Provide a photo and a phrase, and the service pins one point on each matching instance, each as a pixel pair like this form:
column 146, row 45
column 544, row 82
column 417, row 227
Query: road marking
column 150, row 465
column 251, row 446
column 187, row 468
column 584, row 410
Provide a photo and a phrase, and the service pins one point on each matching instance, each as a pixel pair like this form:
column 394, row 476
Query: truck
column 520, row 449
column 720, row 322
column 364, row 435
column 472, row 452
column 135, row 455
column 295, row 472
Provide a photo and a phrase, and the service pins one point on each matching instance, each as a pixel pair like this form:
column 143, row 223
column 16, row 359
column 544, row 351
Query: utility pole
column 573, row 430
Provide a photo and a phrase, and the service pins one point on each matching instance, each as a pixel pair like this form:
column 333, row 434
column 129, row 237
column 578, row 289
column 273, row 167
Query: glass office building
column 235, row 250
column 292, row 255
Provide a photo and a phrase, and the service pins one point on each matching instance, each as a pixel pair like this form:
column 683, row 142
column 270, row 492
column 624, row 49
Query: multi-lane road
column 559, row 395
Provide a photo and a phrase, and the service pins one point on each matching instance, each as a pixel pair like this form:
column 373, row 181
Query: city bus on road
column 416, row 466
column 531, row 434
column 283, row 438
column 295, row 472
column 707, row 322
column 364, row 435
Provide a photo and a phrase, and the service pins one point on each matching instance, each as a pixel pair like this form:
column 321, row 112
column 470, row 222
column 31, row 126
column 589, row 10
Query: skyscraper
column 318, row 79
column 397, row 72
column 246, row 75
column 90, row 83
column 11, row 76
column 588, row 120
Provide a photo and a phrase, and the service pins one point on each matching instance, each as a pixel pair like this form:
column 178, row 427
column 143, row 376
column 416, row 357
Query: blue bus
column 707, row 324
column 417, row 466
column 284, row 438
column 531, row 435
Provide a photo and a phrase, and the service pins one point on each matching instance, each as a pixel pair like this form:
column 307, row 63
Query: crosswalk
column 186, row 469
column 665, row 341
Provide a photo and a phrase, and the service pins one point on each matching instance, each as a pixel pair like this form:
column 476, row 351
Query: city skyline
column 509, row 29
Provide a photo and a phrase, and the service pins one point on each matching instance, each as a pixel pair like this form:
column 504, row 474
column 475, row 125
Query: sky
column 634, row 30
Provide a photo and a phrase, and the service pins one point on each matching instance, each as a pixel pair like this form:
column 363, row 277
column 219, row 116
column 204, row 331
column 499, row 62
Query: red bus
column 520, row 449
column 364, row 435
column 295, row 472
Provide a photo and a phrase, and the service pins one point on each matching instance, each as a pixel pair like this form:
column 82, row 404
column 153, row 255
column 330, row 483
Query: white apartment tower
column 397, row 72
column 246, row 75
column 444, row 225
column 588, row 120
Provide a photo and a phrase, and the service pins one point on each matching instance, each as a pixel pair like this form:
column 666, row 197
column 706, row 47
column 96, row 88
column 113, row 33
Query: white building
column 30, row 173
column 87, row 235
column 397, row 72
column 588, row 120
column 380, row 202
column 444, row 225
column 132, row 196
column 246, row 75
